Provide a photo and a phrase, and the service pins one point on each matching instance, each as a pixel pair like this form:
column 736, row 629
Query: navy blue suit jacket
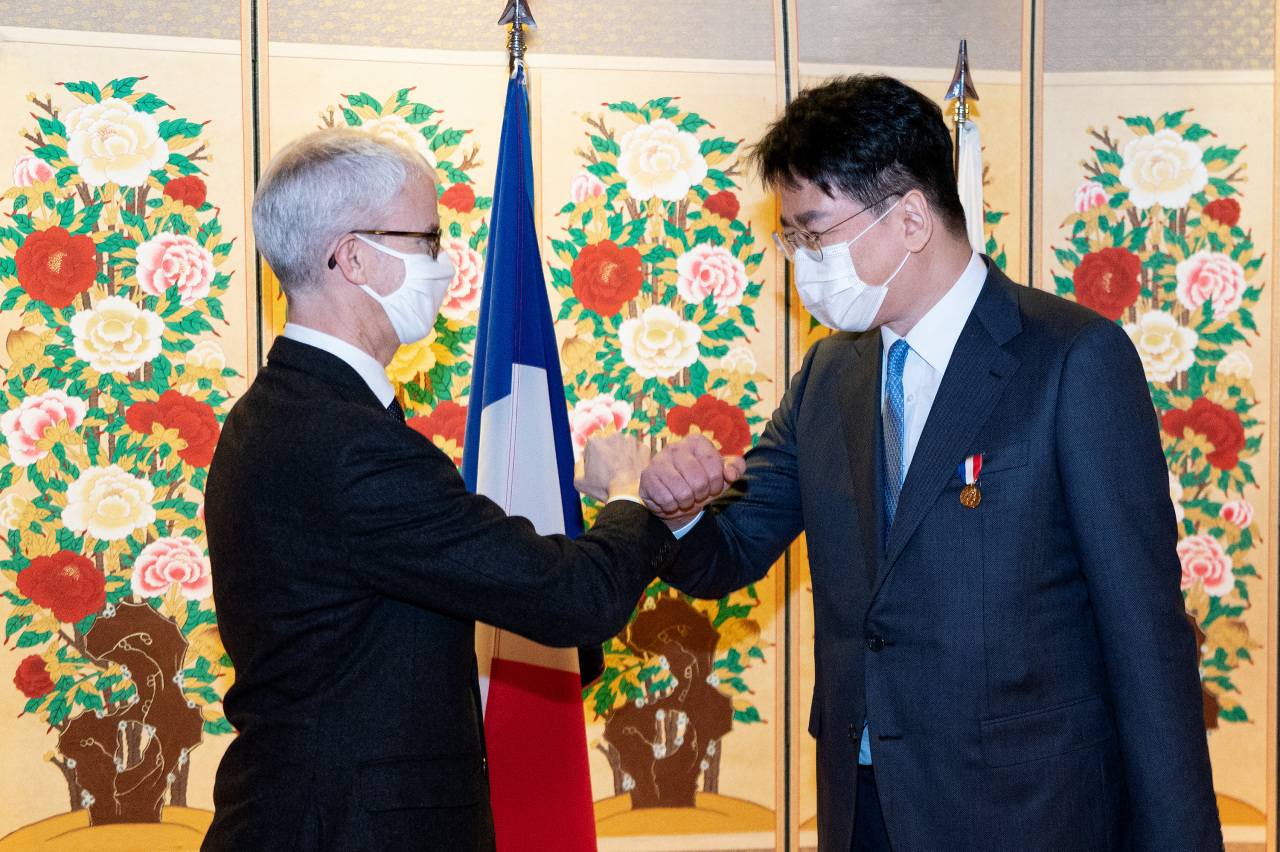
column 1027, row 671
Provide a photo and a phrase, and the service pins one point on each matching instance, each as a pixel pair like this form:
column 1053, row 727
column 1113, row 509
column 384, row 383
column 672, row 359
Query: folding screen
column 128, row 315
column 1082, row 104
column 1158, row 175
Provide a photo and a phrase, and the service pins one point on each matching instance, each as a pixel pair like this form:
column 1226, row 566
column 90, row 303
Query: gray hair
column 319, row 187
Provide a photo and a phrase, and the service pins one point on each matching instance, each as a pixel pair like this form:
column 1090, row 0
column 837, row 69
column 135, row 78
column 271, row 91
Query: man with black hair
column 1003, row 661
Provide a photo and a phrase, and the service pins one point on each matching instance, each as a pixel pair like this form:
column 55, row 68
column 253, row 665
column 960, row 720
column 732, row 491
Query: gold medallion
column 970, row 497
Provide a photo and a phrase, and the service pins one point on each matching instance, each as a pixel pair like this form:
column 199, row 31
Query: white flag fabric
column 969, row 183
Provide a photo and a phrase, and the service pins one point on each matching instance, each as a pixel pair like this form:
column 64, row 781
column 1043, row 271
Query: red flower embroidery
column 66, row 583
column 721, row 422
column 1224, row 210
column 1107, row 281
column 188, row 189
column 606, row 277
column 32, row 678
column 55, row 267
column 1220, row 426
column 195, row 421
column 723, row 204
column 460, row 197
column 445, row 427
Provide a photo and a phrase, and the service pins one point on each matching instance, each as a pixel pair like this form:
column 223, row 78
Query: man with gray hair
column 350, row 562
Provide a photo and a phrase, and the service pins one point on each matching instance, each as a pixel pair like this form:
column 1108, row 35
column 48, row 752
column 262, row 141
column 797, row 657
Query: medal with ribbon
column 970, row 468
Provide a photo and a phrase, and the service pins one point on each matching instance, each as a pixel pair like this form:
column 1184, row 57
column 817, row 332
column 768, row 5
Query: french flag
column 519, row 454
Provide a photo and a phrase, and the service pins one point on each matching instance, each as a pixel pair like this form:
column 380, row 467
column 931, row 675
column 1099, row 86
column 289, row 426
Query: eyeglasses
column 432, row 239
column 791, row 242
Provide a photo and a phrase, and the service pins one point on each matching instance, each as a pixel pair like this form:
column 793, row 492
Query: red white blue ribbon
column 970, row 468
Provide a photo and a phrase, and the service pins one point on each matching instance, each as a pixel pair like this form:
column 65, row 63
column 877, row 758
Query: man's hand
column 611, row 466
column 687, row 475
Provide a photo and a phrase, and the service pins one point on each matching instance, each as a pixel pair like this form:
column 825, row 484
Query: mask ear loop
column 873, row 224
column 848, row 243
column 382, row 248
column 896, row 271
column 333, row 258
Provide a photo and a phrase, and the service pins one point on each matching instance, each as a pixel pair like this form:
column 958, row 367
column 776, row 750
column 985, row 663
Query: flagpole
column 516, row 16
column 968, row 150
column 961, row 91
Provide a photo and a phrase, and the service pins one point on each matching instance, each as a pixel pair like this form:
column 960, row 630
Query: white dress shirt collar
column 357, row 359
column 934, row 337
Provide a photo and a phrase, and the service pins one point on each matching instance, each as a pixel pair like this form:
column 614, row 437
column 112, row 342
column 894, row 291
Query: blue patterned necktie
column 894, row 411
column 396, row 411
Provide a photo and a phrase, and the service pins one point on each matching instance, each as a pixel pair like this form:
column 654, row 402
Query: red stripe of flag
column 542, row 785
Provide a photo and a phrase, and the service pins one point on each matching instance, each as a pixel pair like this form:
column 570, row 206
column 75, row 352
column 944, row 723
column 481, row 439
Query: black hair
column 868, row 137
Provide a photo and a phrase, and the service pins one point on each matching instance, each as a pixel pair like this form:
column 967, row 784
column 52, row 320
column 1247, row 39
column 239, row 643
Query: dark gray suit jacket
column 1027, row 671
column 349, row 566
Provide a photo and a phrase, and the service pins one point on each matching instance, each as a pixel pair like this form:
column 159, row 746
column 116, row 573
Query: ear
column 918, row 220
column 350, row 260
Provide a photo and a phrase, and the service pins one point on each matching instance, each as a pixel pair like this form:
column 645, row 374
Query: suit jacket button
column 855, row 735
column 875, row 642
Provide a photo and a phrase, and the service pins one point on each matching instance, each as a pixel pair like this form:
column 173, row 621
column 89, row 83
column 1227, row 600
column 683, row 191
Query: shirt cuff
column 684, row 529
column 677, row 533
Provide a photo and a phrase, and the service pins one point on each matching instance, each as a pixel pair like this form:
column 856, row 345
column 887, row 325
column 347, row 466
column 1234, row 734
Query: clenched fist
column 611, row 466
column 687, row 475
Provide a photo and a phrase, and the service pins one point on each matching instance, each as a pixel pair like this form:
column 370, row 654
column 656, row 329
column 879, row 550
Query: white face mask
column 831, row 289
column 413, row 307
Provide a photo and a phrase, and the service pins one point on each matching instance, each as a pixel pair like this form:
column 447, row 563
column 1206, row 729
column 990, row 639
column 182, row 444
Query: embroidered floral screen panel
column 669, row 306
column 1158, row 213
column 665, row 298
column 922, row 53
column 128, row 332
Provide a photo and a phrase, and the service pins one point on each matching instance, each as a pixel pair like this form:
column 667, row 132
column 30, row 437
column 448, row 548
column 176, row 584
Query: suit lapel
column 975, row 378
column 860, row 393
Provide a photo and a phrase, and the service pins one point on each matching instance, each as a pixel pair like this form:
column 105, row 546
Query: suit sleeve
column 737, row 542
column 1123, row 528
column 417, row 534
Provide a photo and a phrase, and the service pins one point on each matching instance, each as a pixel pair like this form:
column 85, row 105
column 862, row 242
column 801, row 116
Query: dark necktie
column 396, row 411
